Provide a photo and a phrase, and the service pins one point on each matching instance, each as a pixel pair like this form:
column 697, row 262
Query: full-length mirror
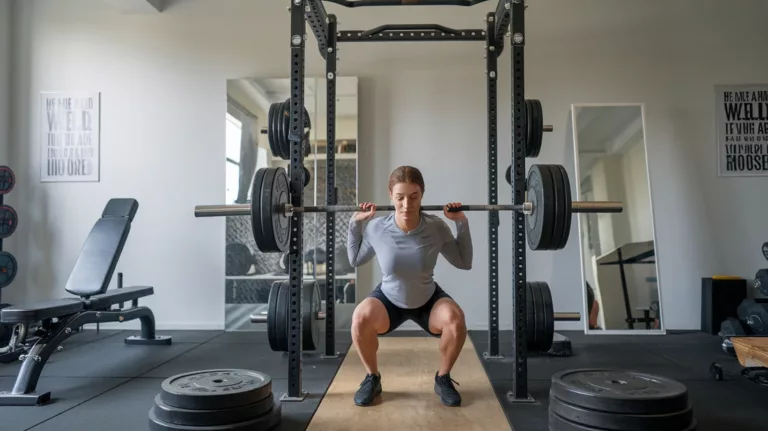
column 249, row 272
column 618, row 251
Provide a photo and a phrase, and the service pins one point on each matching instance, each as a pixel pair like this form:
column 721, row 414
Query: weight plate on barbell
column 619, row 391
column 562, row 226
column 258, row 233
column 8, row 268
column 271, row 227
column 310, row 337
column 215, row 389
column 7, row 180
column 210, row 417
column 8, row 221
column 267, row 421
column 596, row 419
column 541, row 194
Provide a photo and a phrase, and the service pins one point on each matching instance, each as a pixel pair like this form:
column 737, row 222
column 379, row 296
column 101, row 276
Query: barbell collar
column 571, row 316
column 525, row 208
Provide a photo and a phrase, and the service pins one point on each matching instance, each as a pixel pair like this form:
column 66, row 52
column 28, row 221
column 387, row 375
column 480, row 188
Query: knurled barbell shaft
column 245, row 209
column 262, row 317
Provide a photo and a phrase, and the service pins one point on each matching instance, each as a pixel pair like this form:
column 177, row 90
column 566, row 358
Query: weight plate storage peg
column 620, row 392
column 215, row 389
column 8, row 268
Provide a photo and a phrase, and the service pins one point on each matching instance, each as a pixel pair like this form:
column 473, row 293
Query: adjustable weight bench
column 61, row 318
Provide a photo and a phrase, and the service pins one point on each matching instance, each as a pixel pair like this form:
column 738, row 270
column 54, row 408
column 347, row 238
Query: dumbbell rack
column 324, row 27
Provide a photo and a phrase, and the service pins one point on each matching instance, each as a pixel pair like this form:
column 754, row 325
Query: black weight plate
column 548, row 332
column 7, row 180
column 271, row 129
column 8, row 221
column 620, row 422
column 258, row 232
column 761, row 281
column 307, row 176
column 567, row 205
column 215, row 389
column 238, row 259
column 310, row 326
column 541, row 194
column 206, row 418
column 508, row 175
column 535, row 123
column 528, row 126
column 530, row 317
column 275, row 226
column 265, row 422
column 619, row 391
column 8, row 268
column 274, row 293
column 538, row 305
column 282, row 314
column 765, row 250
column 558, row 226
column 557, row 423
column 285, row 125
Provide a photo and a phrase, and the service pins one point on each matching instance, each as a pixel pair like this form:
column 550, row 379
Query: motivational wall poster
column 70, row 138
column 742, row 130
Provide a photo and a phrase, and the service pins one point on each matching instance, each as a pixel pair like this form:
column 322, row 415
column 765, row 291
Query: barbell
column 540, row 316
column 548, row 208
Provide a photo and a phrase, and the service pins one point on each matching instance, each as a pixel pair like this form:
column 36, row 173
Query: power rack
column 324, row 27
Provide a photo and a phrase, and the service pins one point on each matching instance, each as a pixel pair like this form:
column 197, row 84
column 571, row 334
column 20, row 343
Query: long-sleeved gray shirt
column 408, row 260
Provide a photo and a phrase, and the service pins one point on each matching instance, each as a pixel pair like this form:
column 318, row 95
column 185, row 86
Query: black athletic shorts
column 398, row 316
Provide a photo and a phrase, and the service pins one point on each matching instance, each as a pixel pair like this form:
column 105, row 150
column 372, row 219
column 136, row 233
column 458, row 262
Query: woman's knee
column 450, row 317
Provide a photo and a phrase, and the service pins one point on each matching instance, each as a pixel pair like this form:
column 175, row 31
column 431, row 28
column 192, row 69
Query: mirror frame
column 574, row 135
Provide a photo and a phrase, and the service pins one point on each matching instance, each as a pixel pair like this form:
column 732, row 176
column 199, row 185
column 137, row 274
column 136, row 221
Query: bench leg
column 23, row 392
column 148, row 336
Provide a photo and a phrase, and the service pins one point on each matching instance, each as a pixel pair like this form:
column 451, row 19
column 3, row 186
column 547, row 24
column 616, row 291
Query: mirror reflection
column 618, row 255
column 249, row 272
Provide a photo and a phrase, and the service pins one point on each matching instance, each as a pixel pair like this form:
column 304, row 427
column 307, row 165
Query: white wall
column 5, row 81
column 163, row 81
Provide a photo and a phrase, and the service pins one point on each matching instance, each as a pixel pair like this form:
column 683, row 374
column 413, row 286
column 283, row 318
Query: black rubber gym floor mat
column 178, row 336
column 66, row 393
column 257, row 357
column 104, row 359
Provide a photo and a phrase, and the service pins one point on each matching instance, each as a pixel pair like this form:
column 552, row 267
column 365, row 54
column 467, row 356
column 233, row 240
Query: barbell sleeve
column 570, row 316
column 261, row 317
column 526, row 208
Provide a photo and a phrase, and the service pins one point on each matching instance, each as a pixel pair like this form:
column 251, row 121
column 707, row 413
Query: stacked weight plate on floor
column 618, row 400
column 540, row 316
column 220, row 399
column 278, row 312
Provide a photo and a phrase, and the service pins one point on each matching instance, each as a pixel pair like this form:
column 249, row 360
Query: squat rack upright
column 324, row 27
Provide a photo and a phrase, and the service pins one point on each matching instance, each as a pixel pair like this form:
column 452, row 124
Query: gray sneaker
column 446, row 391
column 370, row 388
